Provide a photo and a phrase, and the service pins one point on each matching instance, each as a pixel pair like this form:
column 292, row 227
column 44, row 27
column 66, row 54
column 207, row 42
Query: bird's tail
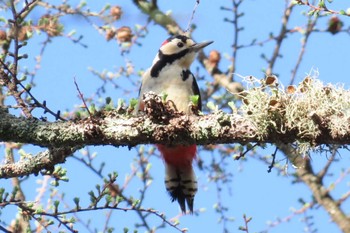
column 180, row 179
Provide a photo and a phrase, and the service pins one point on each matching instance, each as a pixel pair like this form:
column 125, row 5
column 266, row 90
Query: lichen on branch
column 309, row 114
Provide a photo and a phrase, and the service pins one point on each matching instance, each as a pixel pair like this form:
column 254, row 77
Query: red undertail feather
column 180, row 180
column 179, row 156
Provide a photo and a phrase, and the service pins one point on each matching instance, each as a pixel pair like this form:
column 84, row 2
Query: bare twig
column 280, row 39
column 325, row 169
column 82, row 98
column 309, row 29
column 237, row 29
column 22, row 220
column 321, row 8
column 192, row 16
column 273, row 160
column 242, row 154
column 246, row 222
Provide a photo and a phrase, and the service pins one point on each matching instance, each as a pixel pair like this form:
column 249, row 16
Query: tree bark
column 314, row 181
column 157, row 126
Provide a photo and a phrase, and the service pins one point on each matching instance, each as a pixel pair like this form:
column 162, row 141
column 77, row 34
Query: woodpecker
column 170, row 75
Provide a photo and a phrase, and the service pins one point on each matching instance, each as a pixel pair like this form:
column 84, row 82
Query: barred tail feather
column 180, row 179
column 181, row 185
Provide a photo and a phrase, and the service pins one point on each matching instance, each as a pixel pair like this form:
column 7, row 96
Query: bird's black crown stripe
column 180, row 37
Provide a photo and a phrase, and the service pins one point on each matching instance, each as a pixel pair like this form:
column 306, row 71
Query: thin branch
column 343, row 198
column 309, row 29
column 273, row 160
column 320, row 193
column 119, row 191
column 82, row 98
column 246, row 222
column 43, row 160
column 12, row 71
column 5, row 230
column 57, row 214
column 23, row 222
column 321, row 8
column 303, row 210
column 237, row 29
column 26, row 9
column 242, row 154
column 17, row 94
column 192, row 16
column 280, row 39
column 325, row 169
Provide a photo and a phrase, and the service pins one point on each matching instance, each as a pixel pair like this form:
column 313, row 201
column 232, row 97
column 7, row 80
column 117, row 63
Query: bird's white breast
column 170, row 82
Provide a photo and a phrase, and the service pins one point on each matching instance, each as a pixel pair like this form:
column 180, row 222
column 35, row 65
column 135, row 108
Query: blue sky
column 254, row 192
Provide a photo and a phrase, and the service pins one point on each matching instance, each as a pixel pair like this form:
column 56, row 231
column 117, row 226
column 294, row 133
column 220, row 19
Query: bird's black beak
column 199, row 46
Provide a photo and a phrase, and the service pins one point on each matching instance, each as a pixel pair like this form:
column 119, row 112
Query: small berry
column 124, row 34
column 334, row 25
column 116, row 12
column 214, row 57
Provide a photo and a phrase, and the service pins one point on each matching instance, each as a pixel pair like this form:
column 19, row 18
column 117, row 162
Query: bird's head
column 180, row 49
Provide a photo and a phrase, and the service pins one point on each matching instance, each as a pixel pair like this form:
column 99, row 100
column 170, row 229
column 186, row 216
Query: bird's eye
column 180, row 44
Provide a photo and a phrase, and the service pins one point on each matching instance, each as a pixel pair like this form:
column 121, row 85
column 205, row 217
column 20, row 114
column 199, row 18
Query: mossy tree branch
column 162, row 124
column 112, row 128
